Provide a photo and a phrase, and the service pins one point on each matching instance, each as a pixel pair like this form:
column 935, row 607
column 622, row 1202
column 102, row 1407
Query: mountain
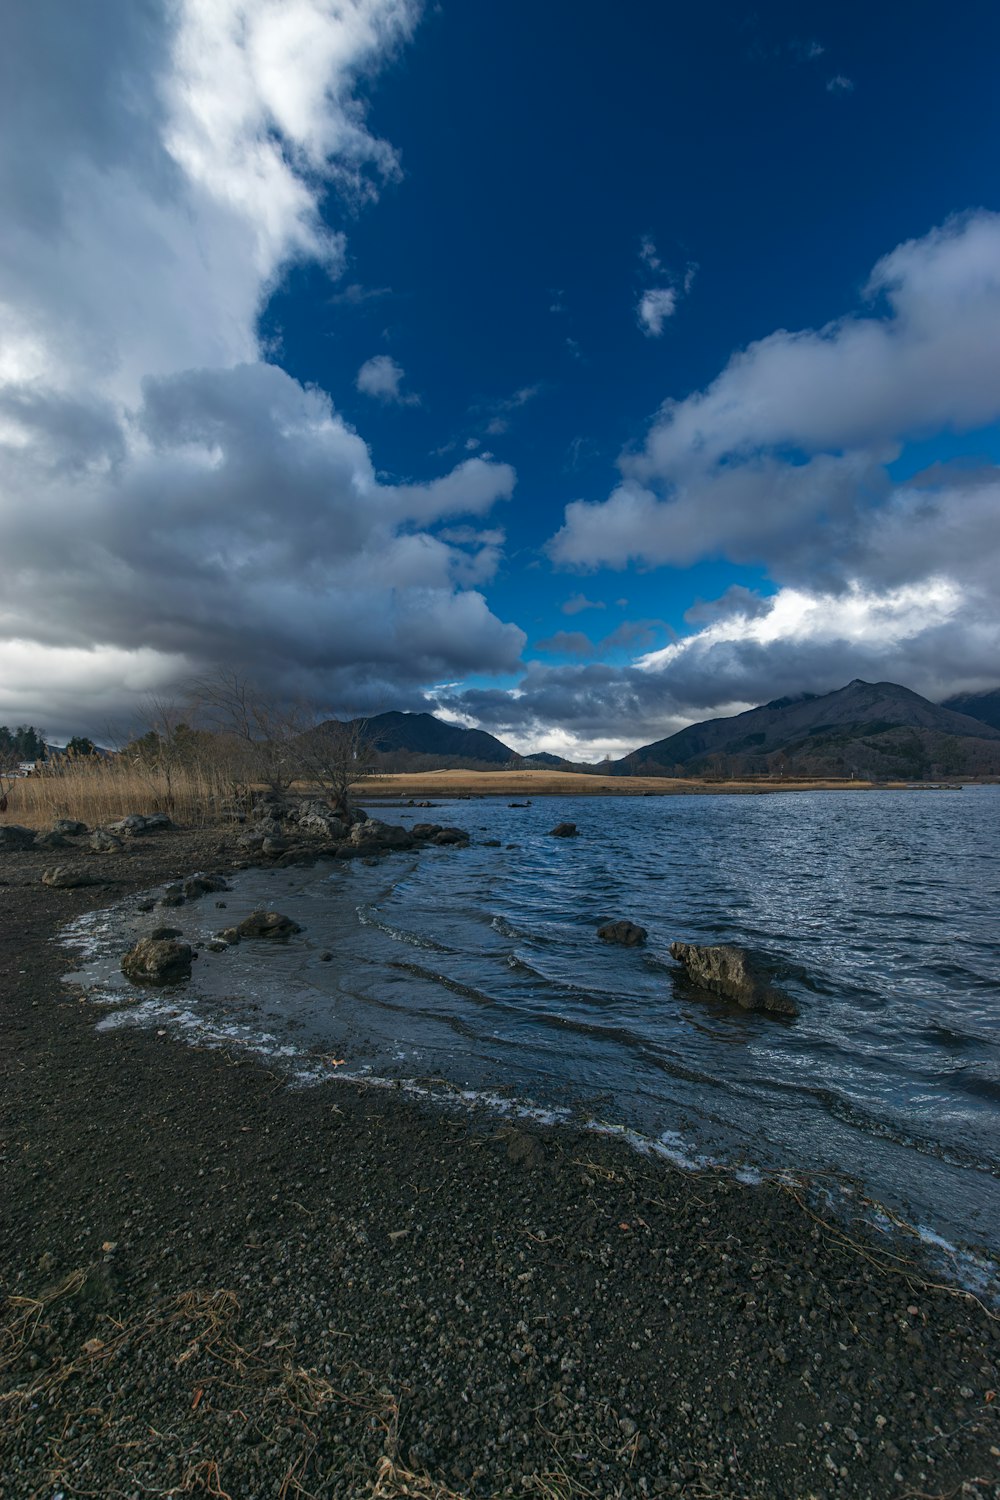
column 864, row 729
column 982, row 706
column 421, row 742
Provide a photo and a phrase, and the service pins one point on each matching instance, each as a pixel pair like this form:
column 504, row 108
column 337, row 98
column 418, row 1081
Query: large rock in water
column 734, row 974
column 627, row 933
column 374, row 835
column 563, row 831
column 268, row 924
column 158, row 961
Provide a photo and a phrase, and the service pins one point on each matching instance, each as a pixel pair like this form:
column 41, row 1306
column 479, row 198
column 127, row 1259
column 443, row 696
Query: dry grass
column 227, row 1386
column 574, row 784
column 102, row 790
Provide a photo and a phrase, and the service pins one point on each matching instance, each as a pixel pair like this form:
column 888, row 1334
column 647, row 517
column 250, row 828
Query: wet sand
column 215, row 1285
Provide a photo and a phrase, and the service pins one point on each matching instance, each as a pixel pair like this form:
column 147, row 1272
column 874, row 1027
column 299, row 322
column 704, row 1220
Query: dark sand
column 215, row 1286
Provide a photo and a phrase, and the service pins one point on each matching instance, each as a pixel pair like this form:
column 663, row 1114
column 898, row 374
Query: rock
column 201, row 885
column 316, row 818
column 228, row 937
column 267, row 924
column 70, row 828
column 67, row 877
column 50, row 841
column 563, row 831
column 158, row 961
column 518, row 804
column 129, row 827
column 157, row 823
column 13, row 836
column 164, row 934
column 734, row 974
column 375, row 835
column 425, row 830
column 104, row 842
column 172, row 898
column 273, row 846
column 523, row 1148
column 626, row 933
column 326, row 957
column 451, row 836
column 491, row 843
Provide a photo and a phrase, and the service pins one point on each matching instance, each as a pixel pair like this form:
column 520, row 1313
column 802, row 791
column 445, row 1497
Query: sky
column 572, row 371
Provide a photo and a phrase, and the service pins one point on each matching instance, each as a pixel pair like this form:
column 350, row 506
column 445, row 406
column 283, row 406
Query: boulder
column 67, row 877
column 158, row 961
column 273, row 845
column 157, row 823
column 129, row 827
column 163, row 934
column 626, row 933
column 202, row 885
column 563, row 831
column 70, row 828
column 104, row 842
column 133, row 825
column 374, row 834
column 228, row 937
column 50, row 841
column 267, row 924
column 321, row 821
column 13, row 836
column 425, row 830
column 450, row 836
column 735, row 974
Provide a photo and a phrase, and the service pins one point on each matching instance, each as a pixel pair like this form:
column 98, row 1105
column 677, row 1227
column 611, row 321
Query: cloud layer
column 785, row 461
column 168, row 497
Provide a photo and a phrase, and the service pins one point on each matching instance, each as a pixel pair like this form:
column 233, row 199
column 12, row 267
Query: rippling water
column 481, row 967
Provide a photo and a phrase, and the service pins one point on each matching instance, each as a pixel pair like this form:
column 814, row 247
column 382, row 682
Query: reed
column 99, row 791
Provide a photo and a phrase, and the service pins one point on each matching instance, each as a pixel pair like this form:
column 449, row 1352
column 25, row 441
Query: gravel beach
column 217, row 1285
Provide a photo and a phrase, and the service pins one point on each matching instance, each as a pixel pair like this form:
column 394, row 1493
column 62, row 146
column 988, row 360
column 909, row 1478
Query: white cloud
column 840, row 85
column 167, row 497
column 648, row 253
column 381, row 377
column 782, row 459
column 577, row 603
column 654, row 308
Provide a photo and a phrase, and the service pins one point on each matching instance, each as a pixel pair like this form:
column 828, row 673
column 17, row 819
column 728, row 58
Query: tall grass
column 99, row 791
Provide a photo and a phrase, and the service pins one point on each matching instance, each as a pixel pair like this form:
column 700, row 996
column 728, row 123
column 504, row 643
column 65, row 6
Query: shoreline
column 374, row 1296
column 539, row 783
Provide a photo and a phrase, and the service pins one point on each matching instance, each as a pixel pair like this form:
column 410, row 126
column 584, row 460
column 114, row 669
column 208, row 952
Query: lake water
column 480, row 970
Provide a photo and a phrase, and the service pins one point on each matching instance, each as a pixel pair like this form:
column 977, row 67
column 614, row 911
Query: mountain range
column 865, row 730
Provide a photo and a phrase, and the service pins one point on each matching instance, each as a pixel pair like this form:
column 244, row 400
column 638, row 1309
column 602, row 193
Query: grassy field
column 574, row 784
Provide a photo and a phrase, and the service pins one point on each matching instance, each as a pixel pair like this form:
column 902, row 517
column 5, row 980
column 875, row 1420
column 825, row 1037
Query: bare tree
column 284, row 740
column 265, row 731
column 335, row 755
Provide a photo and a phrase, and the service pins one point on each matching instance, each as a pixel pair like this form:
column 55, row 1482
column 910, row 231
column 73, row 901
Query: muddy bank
column 218, row 1286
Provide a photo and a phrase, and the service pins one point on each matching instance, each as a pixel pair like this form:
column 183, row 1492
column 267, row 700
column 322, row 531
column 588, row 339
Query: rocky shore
column 214, row 1285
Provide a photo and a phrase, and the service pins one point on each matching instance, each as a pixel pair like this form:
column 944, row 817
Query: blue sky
column 573, row 371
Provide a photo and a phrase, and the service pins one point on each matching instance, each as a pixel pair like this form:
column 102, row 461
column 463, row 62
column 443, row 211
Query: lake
column 479, row 971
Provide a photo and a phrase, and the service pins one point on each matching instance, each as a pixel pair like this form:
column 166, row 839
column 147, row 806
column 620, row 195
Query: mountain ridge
column 862, row 729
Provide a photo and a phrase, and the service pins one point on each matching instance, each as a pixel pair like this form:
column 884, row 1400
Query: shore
column 215, row 1285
